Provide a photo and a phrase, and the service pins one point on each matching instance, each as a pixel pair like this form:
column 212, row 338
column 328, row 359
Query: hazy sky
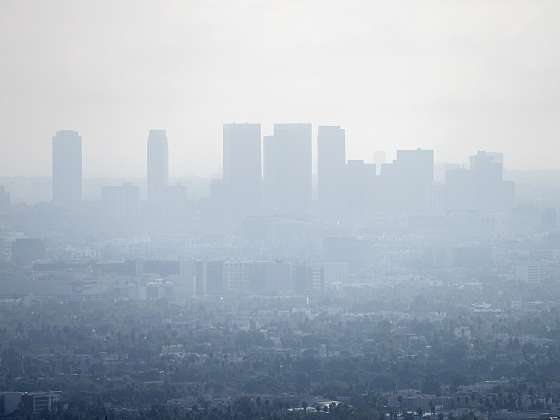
column 453, row 75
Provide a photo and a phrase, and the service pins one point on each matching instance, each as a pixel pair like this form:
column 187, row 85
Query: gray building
column 359, row 192
column 331, row 161
column 417, row 171
column 288, row 168
column 242, row 165
column 491, row 192
column 67, row 167
column 158, row 164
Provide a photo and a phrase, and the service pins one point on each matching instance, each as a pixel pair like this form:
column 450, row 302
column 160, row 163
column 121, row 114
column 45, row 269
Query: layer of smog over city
column 276, row 210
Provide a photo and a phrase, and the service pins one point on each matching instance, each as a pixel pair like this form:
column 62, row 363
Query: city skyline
column 157, row 164
column 67, row 162
column 279, row 210
column 170, row 170
column 454, row 77
column 244, row 150
column 272, row 175
column 185, row 169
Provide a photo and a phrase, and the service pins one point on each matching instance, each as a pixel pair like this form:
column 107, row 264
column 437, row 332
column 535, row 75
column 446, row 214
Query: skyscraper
column 158, row 164
column 415, row 179
column 491, row 192
column 331, row 161
column 487, row 167
column 459, row 192
column 67, row 167
column 242, row 164
column 359, row 188
column 287, row 169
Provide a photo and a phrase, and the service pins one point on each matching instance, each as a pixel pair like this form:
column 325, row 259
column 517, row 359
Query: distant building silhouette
column 549, row 219
column 331, row 163
column 459, row 189
column 406, row 185
column 487, row 167
column 481, row 187
column 416, row 167
column 121, row 202
column 242, row 165
column 359, row 192
column 288, row 168
column 491, row 192
column 67, row 167
column 158, row 164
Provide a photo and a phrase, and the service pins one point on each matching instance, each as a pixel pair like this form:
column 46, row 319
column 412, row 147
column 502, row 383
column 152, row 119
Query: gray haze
column 279, row 210
column 456, row 76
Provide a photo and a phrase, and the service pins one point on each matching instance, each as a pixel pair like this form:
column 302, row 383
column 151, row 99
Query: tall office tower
column 490, row 191
column 487, row 166
column 242, row 165
column 158, row 164
column 359, row 189
column 459, row 193
column 287, row 169
column 67, row 167
column 331, row 161
column 415, row 179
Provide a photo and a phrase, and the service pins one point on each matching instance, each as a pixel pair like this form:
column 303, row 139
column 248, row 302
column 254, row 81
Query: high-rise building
column 459, row 189
column 331, row 161
column 487, row 167
column 359, row 189
column 242, row 165
column 288, row 168
column 491, row 192
column 481, row 187
column 67, row 167
column 415, row 172
column 158, row 164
